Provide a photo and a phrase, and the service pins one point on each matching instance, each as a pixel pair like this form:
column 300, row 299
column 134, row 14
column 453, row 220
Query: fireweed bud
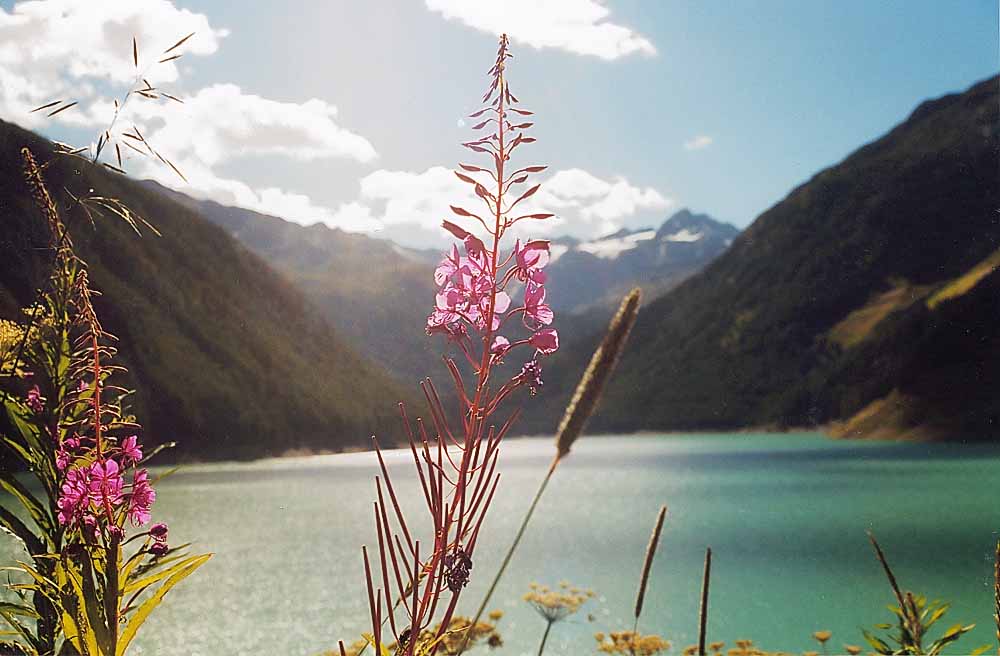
column 159, row 532
column 158, row 549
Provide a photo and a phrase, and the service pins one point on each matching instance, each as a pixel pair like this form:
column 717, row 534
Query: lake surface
column 785, row 516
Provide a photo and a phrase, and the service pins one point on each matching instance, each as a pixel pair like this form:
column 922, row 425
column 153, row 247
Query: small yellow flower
column 822, row 636
column 853, row 650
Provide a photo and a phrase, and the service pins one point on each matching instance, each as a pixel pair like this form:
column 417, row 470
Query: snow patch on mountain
column 610, row 248
column 556, row 251
column 684, row 235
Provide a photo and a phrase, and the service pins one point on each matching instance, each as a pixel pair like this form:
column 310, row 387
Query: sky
column 351, row 113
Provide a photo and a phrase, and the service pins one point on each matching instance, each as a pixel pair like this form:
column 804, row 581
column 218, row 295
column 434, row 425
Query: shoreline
column 835, row 432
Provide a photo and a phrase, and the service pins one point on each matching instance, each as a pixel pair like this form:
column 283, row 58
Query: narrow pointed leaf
column 147, row 607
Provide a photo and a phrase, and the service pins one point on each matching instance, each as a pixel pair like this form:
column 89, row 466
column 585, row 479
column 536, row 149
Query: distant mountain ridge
column 378, row 294
column 227, row 357
column 869, row 297
column 596, row 273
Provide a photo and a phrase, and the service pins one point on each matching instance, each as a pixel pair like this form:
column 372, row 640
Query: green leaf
column 981, row 650
column 876, row 643
column 91, row 603
column 147, row 581
column 13, row 525
column 23, row 631
column 936, row 615
column 149, row 456
column 18, row 609
column 74, row 619
column 150, row 604
column 34, row 507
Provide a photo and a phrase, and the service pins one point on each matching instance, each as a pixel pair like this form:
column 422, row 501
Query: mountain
column 375, row 293
column 228, row 358
column 867, row 297
column 378, row 294
column 657, row 260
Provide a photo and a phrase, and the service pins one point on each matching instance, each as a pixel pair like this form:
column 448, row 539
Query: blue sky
column 764, row 94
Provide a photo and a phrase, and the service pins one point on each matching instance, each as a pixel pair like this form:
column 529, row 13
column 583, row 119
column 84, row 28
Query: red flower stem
column 385, row 573
column 376, row 626
column 392, row 495
column 383, row 527
column 97, row 392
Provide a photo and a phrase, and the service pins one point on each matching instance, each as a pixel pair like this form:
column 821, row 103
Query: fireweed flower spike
column 412, row 585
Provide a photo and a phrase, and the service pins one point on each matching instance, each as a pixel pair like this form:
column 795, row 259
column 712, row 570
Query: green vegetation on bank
column 773, row 332
column 228, row 358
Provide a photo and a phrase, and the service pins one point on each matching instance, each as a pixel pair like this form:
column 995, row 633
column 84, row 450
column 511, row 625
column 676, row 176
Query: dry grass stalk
column 602, row 364
column 647, row 566
column 888, row 573
column 40, row 194
column 703, row 609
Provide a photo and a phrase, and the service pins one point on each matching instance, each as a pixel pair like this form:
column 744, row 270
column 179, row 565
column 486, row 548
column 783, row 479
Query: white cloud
column 82, row 50
column 577, row 26
column 68, row 49
column 698, row 142
column 221, row 122
column 585, row 205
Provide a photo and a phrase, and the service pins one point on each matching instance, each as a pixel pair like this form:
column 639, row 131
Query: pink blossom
column 142, row 498
column 531, row 259
column 105, row 482
column 62, row 459
column 545, row 340
column 534, row 305
column 500, row 346
column 131, row 451
column 530, row 375
column 90, row 526
column 35, row 400
column 448, row 267
column 159, row 549
column 74, row 495
column 158, row 531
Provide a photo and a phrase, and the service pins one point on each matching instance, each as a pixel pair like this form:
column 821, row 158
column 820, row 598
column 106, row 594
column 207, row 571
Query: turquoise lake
column 785, row 516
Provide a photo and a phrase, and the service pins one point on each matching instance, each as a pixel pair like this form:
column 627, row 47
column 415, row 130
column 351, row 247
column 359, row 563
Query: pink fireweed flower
column 531, row 259
column 531, row 375
column 158, row 531
column 448, row 267
column 105, row 483
column 500, row 346
column 74, row 495
column 546, row 341
column 448, row 324
column 131, row 451
column 90, row 526
column 141, row 499
column 35, row 400
column 535, row 308
column 63, row 459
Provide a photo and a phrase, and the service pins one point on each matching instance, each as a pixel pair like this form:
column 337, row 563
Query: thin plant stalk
column 584, row 401
column 703, row 609
column 647, row 565
column 545, row 637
